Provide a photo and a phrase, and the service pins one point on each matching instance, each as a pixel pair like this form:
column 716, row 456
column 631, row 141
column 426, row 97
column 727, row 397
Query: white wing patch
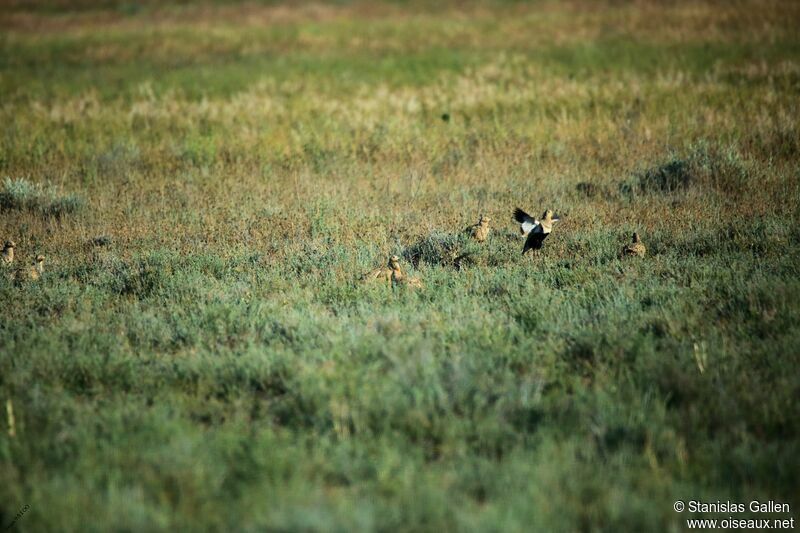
column 528, row 225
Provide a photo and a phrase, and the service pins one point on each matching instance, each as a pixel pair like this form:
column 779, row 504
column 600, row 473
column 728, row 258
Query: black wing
column 526, row 222
column 534, row 241
column 521, row 216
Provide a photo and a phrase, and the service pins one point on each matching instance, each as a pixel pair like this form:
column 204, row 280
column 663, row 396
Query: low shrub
column 23, row 195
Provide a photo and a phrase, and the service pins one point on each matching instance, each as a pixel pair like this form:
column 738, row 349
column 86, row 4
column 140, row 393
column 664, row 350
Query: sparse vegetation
column 209, row 182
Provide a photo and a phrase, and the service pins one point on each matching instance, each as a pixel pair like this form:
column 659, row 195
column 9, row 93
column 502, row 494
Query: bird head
column 10, row 245
column 394, row 262
column 548, row 214
column 40, row 259
column 484, row 220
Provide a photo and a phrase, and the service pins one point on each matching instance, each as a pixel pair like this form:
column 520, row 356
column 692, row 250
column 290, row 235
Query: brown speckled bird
column 635, row 248
column 394, row 266
column 536, row 230
column 382, row 274
column 399, row 278
column 8, row 254
column 480, row 231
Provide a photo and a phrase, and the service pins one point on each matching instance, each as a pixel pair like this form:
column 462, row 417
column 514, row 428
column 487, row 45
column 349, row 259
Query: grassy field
column 219, row 365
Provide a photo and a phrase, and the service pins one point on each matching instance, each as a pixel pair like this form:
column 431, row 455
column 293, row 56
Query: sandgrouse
column 479, row 231
column 8, row 253
column 399, row 278
column 384, row 273
column 635, row 248
column 536, row 230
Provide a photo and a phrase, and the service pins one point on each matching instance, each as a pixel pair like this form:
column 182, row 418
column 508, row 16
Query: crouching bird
column 382, row 274
column 479, row 231
column 535, row 230
column 8, row 254
column 636, row 248
column 399, row 278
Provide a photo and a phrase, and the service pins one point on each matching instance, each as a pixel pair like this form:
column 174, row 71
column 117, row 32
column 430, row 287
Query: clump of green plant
column 442, row 249
column 711, row 167
column 24, row 195
column 670, row 176
column 724, row 170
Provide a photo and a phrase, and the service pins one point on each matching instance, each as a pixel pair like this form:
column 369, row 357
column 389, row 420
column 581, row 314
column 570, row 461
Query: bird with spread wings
column 535, row 230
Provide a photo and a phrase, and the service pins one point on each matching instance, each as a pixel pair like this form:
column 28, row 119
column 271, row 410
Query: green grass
column 215, row 363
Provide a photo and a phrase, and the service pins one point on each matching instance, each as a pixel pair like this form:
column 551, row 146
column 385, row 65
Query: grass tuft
column 667, row 177
column 451, row 250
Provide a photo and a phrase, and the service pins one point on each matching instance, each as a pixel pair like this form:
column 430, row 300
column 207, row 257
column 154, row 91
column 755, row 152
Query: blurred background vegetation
column 208, row 181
